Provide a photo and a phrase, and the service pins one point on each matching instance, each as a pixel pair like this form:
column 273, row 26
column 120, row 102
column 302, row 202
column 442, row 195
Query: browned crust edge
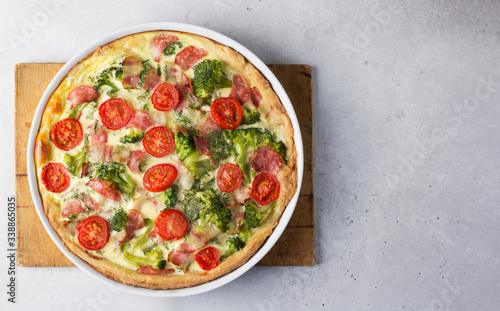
column 288, row 179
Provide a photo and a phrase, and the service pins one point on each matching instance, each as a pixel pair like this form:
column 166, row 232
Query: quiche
column 165, row 159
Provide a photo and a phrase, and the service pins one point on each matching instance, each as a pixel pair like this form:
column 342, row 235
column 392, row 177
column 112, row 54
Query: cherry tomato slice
column 158, row 141
column 226, row 112
column 160, row 177
column 229, row 177
column 171, row 225
column 165, row 97
column 115, row 113
column 93, row 233
column 67, row 134
column 265, row 188
column 207, row 258
column 55, row 177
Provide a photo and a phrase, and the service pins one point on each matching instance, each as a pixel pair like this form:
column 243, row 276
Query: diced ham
column 154, row 271
column 151, row 80
column 140, row 119
column 132, row 68
column 176, row 77
column 100, row 152
column 159, row 43
column 104, row 188
column 240, row 89
column 177, row 257
column 136, row 157
column 208, row 126
column 266, row 160
column 195, row 242
column 255, row 97
column 89, row 202
column 72, row 207
column 82, row 94
column 97, row 134
column 135, row 222
column 189, row 56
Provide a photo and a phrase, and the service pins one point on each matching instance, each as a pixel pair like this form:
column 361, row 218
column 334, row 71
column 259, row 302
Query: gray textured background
column 406, row 106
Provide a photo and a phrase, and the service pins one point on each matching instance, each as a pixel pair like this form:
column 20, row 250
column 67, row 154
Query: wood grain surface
column 35, row 248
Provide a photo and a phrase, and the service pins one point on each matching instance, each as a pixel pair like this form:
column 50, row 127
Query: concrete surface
column 406, row 123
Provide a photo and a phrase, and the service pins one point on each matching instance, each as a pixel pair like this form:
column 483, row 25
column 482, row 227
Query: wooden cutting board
column 35, row 248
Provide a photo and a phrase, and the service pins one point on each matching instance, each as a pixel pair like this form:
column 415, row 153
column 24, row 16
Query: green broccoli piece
column 250, row 116
column 74, row 112
column 114, row 172
column 205, row 204
column 196, row 165
column 184, row 145
column 132, row 137
column 118, row 221
column 244, row 233
column 75, row 163
column 235, row 243
column 218, row 215
column 250, row 139
column 145, row 68
column 252, row 216
column 153, row 258
column 170, row 49
column 169, row 196
column 103, row 79
column 208, row 76
column 220, row 145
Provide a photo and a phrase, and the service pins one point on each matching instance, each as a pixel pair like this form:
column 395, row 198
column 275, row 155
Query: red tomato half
column 160, row 177
column 67, row 134
column 158, row 141
column 229, row 177
column 171, row 225
column 265, row 188
column 115, row 113
column 226, row 112
column 55, row 177
column 165, row 97
column 93, row 233
column 207, row 258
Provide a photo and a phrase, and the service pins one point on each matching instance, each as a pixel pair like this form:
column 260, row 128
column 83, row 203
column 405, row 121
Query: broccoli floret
column 75, row 163
column 118, row 221
column 252, row 216
column 220, row 145
column 103, row 78
column 153, row 258
column 132, row 137
column 244, row 233
column 208, row 76
column 250, row 139
column 205, row 204
column 250, row 116
column 196, row 165
column 235, row 243
column 170, row 49
column 218, row 215
column 145, row 68
column 169, row 196
column 114, row 172
column 184, row 145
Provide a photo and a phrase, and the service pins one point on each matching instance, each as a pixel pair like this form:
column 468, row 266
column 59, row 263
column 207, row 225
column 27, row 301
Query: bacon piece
column 97, row 135
column 153, row 236
column 208, row 126
column 136, row 157
column 82, row 94
column 151, row 80
column 89, row 202
column 176, row 77
column 135, row 222
column 255, row 97
column 195, row 242
column 154, row 271
column 240, row 89
column 201, row 143
column 266, row 160
column 177, row 257
column 104, row 188
column 140, row 119
column 159, row 43
column 100, row 152
column 239, row 196
column 189, row 56
column 131, row 70
column 72, row 207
